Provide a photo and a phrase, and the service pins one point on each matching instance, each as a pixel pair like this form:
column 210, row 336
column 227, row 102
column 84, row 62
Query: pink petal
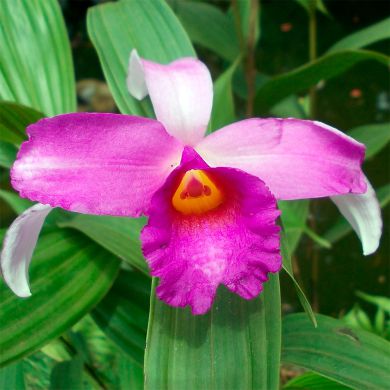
column 18, row 246
column 181, row 93
column 295, row 158
column 95, row 163
column 236, row 244
column 363, row 212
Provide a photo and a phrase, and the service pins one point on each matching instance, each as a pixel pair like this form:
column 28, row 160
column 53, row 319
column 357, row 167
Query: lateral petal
column 95, row 163
column 18, row 246
column 181, row 93
column 363, row 212
column 296, row 158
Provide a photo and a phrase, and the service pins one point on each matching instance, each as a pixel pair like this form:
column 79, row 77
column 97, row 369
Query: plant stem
column 247, row 48
column 313, row 251
column 250, row 71
column 312, row 53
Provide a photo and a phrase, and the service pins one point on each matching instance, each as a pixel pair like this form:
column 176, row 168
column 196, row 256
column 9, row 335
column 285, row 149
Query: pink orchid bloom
column 211, row 201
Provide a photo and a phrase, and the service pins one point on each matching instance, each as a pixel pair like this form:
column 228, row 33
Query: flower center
column 196, row 193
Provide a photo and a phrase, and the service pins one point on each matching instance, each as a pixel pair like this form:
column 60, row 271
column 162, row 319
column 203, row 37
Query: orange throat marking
column 196, row 193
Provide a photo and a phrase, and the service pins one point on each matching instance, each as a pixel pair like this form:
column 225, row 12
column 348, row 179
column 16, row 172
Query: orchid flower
column 211, row 200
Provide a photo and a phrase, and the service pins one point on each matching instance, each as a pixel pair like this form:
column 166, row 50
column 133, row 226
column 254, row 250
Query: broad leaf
column 151, row 27
column 299, row 79
column 364, row 37
column 234, row 346
column 14, row 118
column 17, row 203
column 119, row 235
column 36, row 64
column 12, row 377
column 67, row 375
column 69, row 274
column 123, row 314
column 7, row 154
column 209, row 27
column 351, row 357
column 223, row 112
column 313, row 381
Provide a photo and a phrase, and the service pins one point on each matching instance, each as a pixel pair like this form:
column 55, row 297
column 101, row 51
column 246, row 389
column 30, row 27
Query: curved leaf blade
column 14, row 118
column 236, row 345
column 150, row 27
column 351, row 357
column 364, row 37
column 69, row 274
column 299, row 79
column 123, row 314
column 36, row 63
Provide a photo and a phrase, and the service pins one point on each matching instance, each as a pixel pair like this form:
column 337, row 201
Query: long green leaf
column 312, row 381
column 375, row 137
column 123, row 314
column 234, row 346
column 209, row 27
column 351, row 357
column 36, row 65
column 12, row 377
column 69, row 275
column 7, row 154
column 118, row 235
column 287, row 266
column 364, row 37
column 17, row 203
column 299, row 79
column 14, row 118
column 151, row 27
column 67, row 375
column 223, row 112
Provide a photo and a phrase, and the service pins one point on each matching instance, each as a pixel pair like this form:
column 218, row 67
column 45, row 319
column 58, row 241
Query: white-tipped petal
column 364, row 214
column 18, row 246
column 181, row 93
column 135, row 77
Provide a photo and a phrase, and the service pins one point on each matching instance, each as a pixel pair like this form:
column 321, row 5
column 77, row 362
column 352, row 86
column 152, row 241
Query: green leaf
column 341, row 227
column 313, row 381
column 69, row 274
column 36, row 64
column 248, row 11
column 304, row 77
column 364, row 37
column 294, row 216
column 203, row 352
column 287, row 266
column 130, row 374
column 123, row 314
column 223, row 112
column 380, row 302
column 67, row 375
column 353, row 358
column 357, row 318
column 209, row 27
column 7, row 154
column 16, row 203
column 119, row 235
column 316, row 4
column 14, row 118
column 12, row 377
column 375, row 137
column 150, row 27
